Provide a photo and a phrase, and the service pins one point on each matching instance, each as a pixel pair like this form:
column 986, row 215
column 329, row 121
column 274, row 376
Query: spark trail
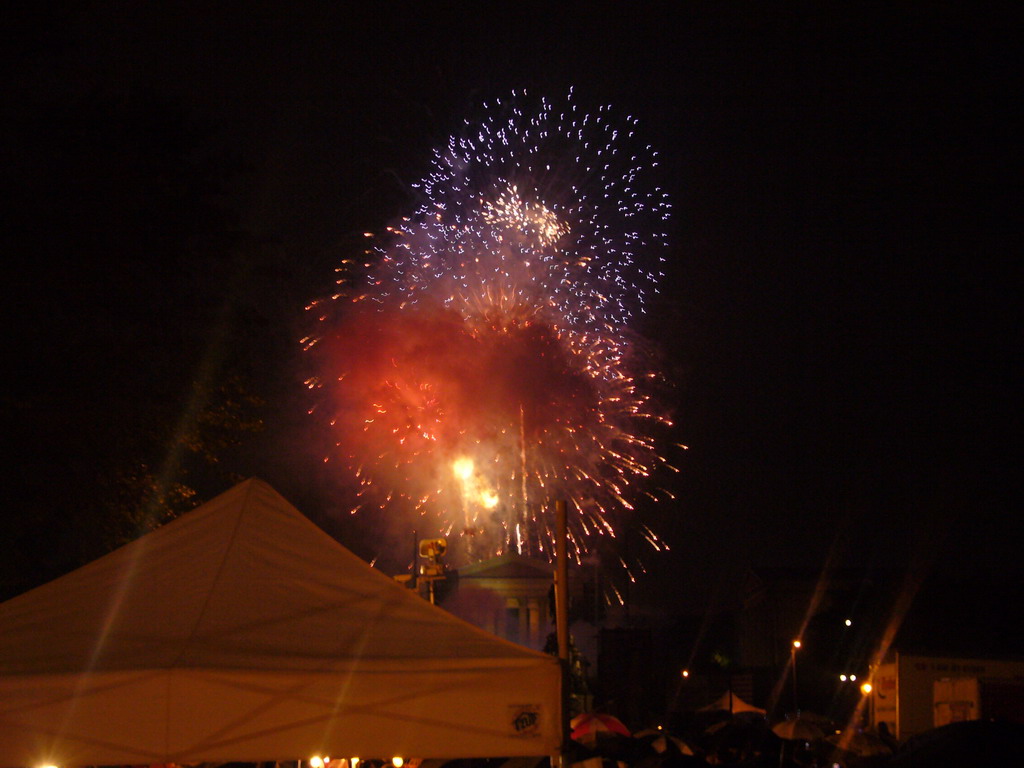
column 479, row 361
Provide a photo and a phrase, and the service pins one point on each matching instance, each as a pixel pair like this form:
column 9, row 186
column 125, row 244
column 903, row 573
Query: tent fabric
column 242, row 632
column 730, row 702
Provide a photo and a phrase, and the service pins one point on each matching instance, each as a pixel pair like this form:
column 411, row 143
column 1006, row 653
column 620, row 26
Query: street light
column 792, row 660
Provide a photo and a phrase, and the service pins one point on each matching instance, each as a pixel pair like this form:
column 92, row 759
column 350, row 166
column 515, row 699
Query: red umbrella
column 588, row 727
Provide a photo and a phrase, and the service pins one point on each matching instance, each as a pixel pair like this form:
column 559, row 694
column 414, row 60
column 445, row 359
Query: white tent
column 242, row 632
column 730, row 702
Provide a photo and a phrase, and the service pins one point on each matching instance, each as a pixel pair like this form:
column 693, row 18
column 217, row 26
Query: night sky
column 838, row 316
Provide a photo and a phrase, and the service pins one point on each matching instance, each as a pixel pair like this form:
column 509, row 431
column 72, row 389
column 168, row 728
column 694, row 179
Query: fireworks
column 479, row 362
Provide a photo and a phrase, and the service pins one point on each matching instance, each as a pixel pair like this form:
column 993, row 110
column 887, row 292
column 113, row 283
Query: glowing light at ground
column 479, row 361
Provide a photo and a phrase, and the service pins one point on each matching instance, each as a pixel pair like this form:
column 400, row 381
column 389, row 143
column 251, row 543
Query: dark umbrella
column 973, row 742
column 860, row 744
column 664, row 743
column 798, row 729
column 741, row 739
column 667, row 760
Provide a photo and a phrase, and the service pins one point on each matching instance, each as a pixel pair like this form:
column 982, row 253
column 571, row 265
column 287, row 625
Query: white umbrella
column 662, row 742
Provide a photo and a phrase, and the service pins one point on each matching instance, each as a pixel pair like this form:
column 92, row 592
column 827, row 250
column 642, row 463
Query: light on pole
column 792, row 653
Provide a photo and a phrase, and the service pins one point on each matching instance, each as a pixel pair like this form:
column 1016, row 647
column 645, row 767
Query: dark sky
column 838, row 315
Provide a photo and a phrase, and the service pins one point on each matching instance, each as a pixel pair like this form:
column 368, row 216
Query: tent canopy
column 242, row 632
column 730, row 702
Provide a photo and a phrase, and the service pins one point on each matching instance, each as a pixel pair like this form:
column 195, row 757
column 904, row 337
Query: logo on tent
column 525, row 719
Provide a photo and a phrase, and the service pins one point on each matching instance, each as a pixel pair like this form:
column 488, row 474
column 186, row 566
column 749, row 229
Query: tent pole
column 415, row 561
